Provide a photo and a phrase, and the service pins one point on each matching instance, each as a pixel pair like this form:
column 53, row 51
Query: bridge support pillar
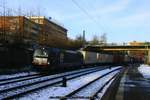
column 148, row 57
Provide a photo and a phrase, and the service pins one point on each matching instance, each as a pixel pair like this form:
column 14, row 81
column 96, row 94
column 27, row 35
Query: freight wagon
column 96, row 58
column 103, row 58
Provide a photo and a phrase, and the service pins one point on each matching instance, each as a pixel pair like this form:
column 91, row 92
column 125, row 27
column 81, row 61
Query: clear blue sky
column 122, row 20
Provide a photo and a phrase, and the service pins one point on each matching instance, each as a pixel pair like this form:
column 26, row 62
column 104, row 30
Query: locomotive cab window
column 40, row 53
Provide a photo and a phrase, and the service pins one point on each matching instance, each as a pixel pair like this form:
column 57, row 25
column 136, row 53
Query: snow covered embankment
column 73, row 85
column 145, row 71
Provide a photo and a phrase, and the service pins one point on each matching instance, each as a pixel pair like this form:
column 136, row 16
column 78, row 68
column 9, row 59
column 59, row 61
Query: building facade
column 18, row 29
column 51, row 33
column 38, row 30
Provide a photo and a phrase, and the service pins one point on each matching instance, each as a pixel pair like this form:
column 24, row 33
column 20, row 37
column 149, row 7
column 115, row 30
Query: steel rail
column 41, row 86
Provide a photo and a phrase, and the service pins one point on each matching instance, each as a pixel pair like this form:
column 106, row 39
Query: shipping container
column 93, row 57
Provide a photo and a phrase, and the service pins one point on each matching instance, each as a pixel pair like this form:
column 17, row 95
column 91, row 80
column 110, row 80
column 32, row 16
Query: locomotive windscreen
column 40, row 53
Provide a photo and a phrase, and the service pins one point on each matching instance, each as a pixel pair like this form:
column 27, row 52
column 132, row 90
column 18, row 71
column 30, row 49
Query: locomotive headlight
column 36, row 60
column 44, row 60
column 40, row 61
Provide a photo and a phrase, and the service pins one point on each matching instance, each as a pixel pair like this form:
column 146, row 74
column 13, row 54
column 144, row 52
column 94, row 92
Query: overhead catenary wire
column 98, row 18
column 90, row 16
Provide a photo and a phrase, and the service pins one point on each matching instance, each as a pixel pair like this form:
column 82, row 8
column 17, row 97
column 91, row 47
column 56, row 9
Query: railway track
column 18, row 77
column 17, row 87
column 92, row 96
column 27, row 77
column 85, row 91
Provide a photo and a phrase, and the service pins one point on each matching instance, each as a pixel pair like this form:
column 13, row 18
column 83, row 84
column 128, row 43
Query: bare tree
column 95, row 40
column 103, row 39
column 77, row 43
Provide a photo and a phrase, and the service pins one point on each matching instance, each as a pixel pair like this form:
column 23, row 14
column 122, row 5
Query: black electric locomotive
column 54, row 57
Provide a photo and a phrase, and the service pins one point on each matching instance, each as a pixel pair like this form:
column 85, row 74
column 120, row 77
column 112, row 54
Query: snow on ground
column 72, row 85
column 100, row 95
column 30, row 73
column 145, row 70
column 11, row 85
column 93, row 88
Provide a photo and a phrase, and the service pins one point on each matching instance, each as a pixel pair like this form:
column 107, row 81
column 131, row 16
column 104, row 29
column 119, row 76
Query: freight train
column 52, row 57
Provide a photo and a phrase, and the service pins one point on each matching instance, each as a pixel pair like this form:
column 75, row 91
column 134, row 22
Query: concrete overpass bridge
column 119, row 49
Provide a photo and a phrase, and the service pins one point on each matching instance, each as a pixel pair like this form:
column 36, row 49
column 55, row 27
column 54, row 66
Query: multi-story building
column 32, row 29
column 17, row 29
column 51, row 33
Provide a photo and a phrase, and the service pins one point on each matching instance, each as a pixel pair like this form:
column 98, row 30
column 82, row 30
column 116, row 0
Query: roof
column 42, row 17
